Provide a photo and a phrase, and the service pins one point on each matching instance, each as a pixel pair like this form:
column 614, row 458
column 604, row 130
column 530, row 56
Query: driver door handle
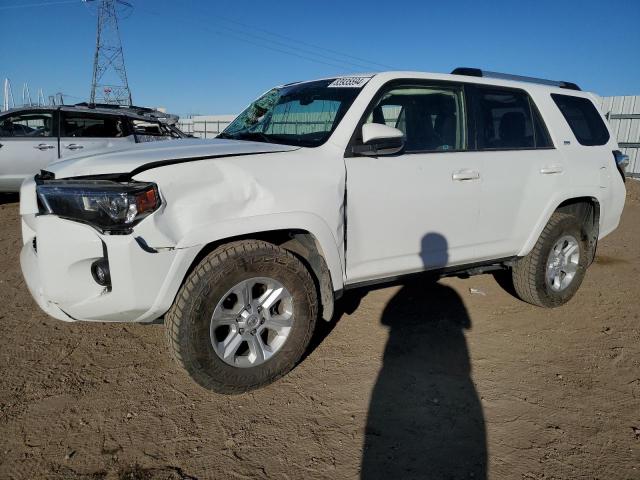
column 462, row 175
column 551, row 169
column 74, row 146
column 44, row 146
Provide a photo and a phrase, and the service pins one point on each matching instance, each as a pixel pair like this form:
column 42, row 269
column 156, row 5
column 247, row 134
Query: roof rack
column 114, row 106
column 143, row 112
column 476, row 72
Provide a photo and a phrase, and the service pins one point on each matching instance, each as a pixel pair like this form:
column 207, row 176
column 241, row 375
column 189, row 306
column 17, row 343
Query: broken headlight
column 106, row 205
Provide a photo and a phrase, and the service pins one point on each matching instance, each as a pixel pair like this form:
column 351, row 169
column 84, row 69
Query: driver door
column 28, row 143
column 416, row 210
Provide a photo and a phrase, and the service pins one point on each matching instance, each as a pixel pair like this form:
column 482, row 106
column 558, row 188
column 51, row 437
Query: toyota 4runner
column 242, row 242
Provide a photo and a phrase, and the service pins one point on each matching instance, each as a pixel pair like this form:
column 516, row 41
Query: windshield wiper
column 225, row 135
column 255, row 136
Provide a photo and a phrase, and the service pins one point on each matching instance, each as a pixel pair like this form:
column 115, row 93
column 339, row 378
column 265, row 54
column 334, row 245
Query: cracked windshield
column 303, row 114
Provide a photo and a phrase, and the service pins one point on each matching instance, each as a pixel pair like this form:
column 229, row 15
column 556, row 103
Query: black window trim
column 470, row 98
column 599, row 115
column 474, row 99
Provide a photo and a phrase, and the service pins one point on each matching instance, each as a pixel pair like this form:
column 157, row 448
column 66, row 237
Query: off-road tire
column 529, row 272
column 188, row 320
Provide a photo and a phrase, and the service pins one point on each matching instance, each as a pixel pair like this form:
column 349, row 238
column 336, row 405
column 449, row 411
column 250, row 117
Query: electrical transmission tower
column 109, row 83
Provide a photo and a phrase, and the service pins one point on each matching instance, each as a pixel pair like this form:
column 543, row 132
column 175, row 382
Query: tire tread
column 526, row 269
column 176, row 317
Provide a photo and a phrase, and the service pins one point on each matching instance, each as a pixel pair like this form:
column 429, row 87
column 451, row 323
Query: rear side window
column 508, row 120
column 92, row 126
column 583, row 118
column 151, row 131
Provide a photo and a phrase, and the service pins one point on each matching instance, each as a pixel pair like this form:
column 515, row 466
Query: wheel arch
column 585, row 207
column 322, row 258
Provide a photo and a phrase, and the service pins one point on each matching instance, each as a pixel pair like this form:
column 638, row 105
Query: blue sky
column 215, row 56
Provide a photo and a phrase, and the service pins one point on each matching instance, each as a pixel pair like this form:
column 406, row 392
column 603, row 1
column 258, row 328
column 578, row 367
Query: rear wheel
column 552, row 272
column 243, row 318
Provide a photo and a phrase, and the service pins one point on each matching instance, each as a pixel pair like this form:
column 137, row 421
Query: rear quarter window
column 583, row 119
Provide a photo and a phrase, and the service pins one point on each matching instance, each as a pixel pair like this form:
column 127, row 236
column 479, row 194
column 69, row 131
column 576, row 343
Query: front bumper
column 57, row 270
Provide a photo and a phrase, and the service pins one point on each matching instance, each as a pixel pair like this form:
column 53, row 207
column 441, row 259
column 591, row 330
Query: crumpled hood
column 154, row 154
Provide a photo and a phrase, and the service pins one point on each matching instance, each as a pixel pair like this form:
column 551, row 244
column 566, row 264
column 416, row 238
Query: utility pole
column 109, row 83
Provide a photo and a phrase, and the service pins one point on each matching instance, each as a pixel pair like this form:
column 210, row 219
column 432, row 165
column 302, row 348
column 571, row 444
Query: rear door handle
column 44, row 146
column 462, row 175
column 551, row 169
column 74, row 146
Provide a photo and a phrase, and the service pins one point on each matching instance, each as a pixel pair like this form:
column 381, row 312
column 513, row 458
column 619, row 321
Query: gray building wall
column 624, row 117
column 205, row 126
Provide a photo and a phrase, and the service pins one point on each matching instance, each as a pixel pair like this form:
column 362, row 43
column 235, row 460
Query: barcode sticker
column 349, row 82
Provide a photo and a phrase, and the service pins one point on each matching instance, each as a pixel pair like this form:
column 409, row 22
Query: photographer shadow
column 425, row 419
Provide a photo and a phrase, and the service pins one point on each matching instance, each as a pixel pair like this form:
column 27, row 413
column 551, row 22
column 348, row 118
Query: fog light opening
column 100, row 272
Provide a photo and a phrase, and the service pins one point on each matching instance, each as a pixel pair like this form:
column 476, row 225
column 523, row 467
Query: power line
column 42, row 4
column 250, row 38
column 274, row 34
column 296, row 48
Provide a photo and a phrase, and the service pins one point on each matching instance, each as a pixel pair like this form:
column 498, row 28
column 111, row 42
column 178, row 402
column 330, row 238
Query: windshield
column 304, row 114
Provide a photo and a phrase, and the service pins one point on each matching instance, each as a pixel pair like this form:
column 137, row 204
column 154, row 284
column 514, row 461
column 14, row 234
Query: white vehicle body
column 370, row 216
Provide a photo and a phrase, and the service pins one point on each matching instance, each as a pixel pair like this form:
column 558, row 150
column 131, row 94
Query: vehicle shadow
column 9, row 198
column 425, row 419
column 346, row 305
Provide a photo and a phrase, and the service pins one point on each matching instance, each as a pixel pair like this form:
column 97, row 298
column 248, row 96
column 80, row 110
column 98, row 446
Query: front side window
column 303, row 114
column 432, row 118
column 583, row 118
column 81, row 125
column 27, row 125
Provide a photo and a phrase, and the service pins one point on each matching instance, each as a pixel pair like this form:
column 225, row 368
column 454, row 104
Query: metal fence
column 624, row 117
column 202, row 128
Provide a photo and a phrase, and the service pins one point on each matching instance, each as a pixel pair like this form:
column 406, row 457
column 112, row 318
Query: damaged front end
column 110, row 207
column 81, row 258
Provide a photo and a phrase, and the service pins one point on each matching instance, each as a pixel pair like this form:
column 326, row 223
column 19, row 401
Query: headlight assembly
column 108, row 206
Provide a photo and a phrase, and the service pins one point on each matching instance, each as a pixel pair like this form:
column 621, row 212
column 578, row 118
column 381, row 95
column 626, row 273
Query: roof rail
column 114, row 106
column 476, row 72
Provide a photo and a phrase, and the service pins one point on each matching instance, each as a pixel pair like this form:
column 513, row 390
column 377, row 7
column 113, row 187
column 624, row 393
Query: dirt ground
column 426, row 380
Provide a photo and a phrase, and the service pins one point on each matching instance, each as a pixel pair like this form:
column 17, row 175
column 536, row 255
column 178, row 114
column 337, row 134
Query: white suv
column 242, row 242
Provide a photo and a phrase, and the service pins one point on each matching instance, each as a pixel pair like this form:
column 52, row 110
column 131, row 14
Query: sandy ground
column 427, row 380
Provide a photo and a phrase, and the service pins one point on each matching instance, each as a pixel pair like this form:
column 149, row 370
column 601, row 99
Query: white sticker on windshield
column 349, row 82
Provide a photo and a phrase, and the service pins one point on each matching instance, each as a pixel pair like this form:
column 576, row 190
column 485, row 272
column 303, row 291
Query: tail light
column 622, row 162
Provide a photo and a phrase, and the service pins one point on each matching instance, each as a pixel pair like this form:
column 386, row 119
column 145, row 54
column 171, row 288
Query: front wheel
column 243, row 318
column 550, row 275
